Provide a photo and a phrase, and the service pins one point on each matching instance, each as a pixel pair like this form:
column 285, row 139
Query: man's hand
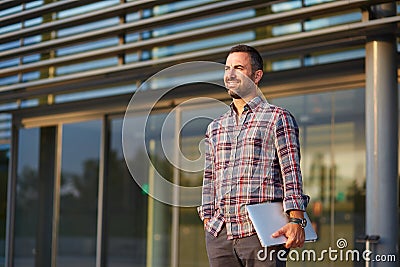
column 294, row 234
column 205, row 223
column 293, row 231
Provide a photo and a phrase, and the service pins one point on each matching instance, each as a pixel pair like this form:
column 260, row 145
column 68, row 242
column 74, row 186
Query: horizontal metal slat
column 9, row 3
column 349, row 71
column 5, row 4
column 177, row 38
column 147, row 24
column 39, row 11
column 140, row 69
column 163, row 20
column 79, row 19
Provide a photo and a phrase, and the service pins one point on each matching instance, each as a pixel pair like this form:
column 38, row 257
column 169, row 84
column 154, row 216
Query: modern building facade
column 69, row 69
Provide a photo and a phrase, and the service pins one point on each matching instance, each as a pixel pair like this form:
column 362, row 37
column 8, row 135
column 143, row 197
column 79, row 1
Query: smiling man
column 252, row 156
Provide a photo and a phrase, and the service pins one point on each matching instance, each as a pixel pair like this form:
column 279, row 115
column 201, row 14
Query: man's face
column 239, row 78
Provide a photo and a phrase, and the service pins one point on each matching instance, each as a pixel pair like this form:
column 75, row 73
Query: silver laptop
column 267, row 218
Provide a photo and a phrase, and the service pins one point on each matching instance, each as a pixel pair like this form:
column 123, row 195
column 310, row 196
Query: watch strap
column 300, row 221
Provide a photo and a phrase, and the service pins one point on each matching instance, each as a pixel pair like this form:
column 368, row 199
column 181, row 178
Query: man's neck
column 239, row 105
column 241, row 102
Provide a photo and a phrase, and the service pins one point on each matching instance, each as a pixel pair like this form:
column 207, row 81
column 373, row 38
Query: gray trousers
column 241, row 252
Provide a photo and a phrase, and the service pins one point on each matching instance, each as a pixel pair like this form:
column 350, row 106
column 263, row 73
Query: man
column 252, row 156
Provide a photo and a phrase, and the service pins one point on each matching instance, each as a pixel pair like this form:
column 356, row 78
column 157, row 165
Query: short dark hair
column 255, row 57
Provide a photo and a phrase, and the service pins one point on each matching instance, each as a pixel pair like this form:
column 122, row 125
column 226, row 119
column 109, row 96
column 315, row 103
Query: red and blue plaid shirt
column 254, row 160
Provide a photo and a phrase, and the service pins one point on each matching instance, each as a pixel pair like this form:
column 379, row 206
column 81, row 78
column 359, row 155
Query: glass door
column 332, row 132
column 77, row 218
column 76, row 203
column 56, row 195
column 27, row 198
column 193, row 125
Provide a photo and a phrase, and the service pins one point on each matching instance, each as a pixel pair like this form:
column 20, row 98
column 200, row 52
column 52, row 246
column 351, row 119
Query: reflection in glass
column 4, row 161
column 193, row 126
column 126, row 208
column 319, row 23
column 230, row 39
column 78, row 194
column 200, row 23
column 27, row 199
column 87, row 46
column 85, row 8
column 333, row 163
column 329, row 57
column 87, row 65
column 159, row 233
column 99, row 24
column 147, row 162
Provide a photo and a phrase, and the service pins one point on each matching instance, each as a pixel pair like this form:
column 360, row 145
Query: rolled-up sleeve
column 206, row 210
column 288, row 148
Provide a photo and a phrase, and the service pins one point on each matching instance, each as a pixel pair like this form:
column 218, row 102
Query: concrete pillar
column 382, row 138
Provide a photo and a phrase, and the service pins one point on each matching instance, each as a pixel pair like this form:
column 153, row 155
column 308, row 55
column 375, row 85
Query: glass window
column 126, row 208
column 87, row 65
column 77, row 229
column 88, row 46
column 178, row 5
column 323, row 58
column 27, row 198
column 4, row 160
column 159, row 235
column 86, row 8
column 132, row 37
column 132, row 16
column 286, row 64
column 27, row 103
column 95, row 93
column 33, row 22
column 129, row 58
column 10, row 28
column 190, row 25
column 286, row 5
column 9, row 80
column 194, row 122
column 9, row 63
column 31, row 58
column 30, row 76
column 88, row 27
column 203, row 44
column 9, row 45
column 294, row 4
column 33, row 4
column 315, row 2
column 32, row 40
column 286, row 29
column 332, row 132
column 5, row 130
column 148, row 162
column 11, row 10
column 7, row 106
column 313, row 24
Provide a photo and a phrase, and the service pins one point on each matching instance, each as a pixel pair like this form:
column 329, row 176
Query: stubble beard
column 244, row 92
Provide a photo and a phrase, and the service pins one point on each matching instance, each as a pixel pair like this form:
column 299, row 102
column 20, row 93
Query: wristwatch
column 300, row 221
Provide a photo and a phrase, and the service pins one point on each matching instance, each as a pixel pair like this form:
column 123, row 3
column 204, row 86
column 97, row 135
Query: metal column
column 382, row 138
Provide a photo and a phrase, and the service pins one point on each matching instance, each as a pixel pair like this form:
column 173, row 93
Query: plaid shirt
column 255, row 160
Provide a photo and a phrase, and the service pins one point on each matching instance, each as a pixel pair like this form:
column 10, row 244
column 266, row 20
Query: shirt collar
column 251, row 105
